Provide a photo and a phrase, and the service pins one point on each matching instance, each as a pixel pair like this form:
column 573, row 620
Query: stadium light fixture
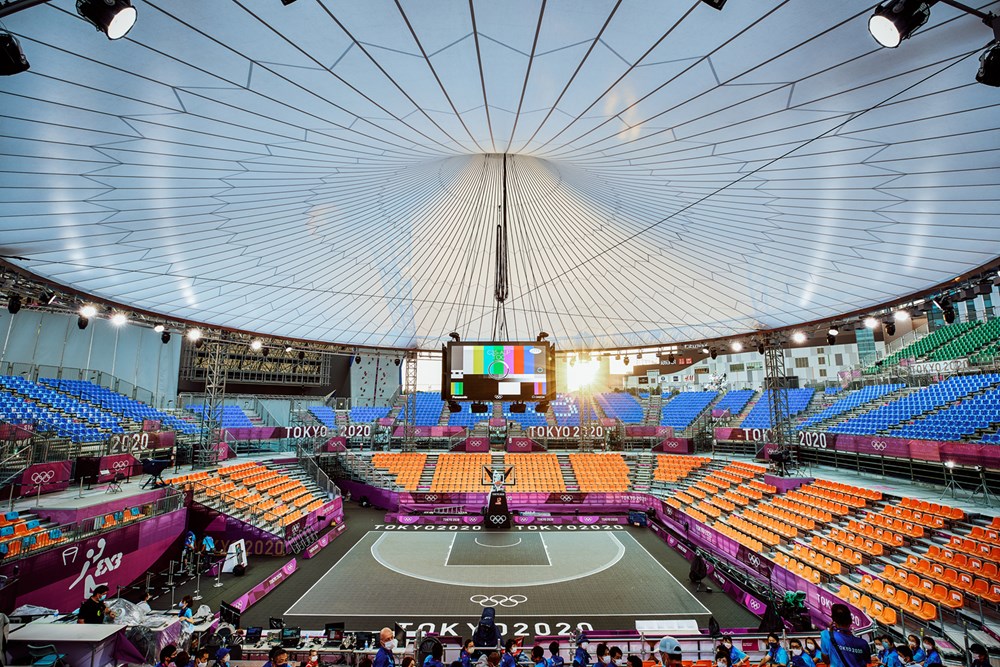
column 119, row 319
column 112, row 17
column 890, row 328
column 900, row 315
column 715, row 4
column 736, row 346
column 194, row 335
column 671, row 358
column 989, row 63
column 542, row 335
column 13, row 304
column 713, row 353
column 88, row 311
column 626, row 360
column 357, row 358
column 870, row 322
column 798, row 337
column 288, row 350
column 834, row 331
column 12, row 59
column 159, row 328
column 256, row 345
column 896, row 20
column 82, row 322
column 454, row 336
column 165, row 337
column 760, row 347
column 705, row 350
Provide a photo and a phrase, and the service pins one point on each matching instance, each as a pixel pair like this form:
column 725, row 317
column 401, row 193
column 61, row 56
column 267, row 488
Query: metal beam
column 215, row 396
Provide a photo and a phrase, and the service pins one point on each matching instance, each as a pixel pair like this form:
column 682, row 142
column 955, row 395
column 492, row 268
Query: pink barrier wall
column 45, row 478
column 61, row 578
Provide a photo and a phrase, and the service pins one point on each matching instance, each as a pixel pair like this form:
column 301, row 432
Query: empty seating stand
column 460, row 473
column 621, row 406
column 566, row 410
column 600, row 472
column 535, row 472
column 325, row 415
column 406, row 466
column 428, row 408
column 854, row 400
column 366, row 414
column 735, row 401
column 760, row 414
column 681, row 410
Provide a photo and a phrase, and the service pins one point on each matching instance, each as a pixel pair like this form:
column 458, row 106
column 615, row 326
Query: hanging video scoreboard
column 488, row 371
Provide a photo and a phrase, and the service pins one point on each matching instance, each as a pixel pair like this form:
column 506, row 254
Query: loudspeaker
column 12, row 60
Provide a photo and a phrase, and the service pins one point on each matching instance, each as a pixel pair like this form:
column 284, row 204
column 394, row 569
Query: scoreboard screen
column 481, row 371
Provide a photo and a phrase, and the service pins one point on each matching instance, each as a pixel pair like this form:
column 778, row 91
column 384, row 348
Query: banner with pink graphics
column 45, row 478
column 255, row 594
column 61, row 577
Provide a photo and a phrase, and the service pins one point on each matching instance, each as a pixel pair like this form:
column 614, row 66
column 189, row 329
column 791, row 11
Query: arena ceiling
column 331, row 171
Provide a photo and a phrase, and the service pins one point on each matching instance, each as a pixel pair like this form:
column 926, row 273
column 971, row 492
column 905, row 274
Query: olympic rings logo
column 43, row 477
column 121, row 465
column 498, row 600
column 431, row 498
column 498, row 519
column 566, row 498
column 753, row 560
column 878, row 445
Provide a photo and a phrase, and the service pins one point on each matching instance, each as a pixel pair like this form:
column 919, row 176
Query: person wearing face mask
column 913, row 642
column 931, row 655
column 799, row 657
column 538, row 657
column 201, row 658
column 905, row 655
column 465, row 656
column 312, row 660
column 737, row 658
column 602, row 655
column 509, row 657
column 980, row 657
column 384, row 656
column 776, row 656
column 93, row 610
column 839, row 645
column 279, row 657
column 167, row 654
column 434, row 659
column 582, row 657
column 722, row 657
column 616, row 656
column 812, row 650
column 222, row 658
column 184, row 606
column 669, row 652
column 887, row 656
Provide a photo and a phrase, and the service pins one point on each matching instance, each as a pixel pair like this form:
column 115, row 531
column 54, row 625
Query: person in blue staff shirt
column 887, row 655
column 812, row 650
column 775, row 656
column 905, row 655
column 384, row 656
column 465, row 656
column 538, row 657
column 581, row 658
column 799, row 658
column 980, row 656
column 555, row 660
column 509, row 657
column 931, row 655
column 839, row 645
column 913, row 642
column 434, row 659
column 737, row 658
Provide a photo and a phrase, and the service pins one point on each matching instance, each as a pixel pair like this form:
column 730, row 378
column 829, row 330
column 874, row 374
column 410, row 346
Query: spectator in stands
column 616, row 656
column 384, row 656
column 812, row 650
column 980, row 657
column 839, row 645
column 93, row 610
column 465, row 656
column 410, row 661
column 509, row 657
column 538, row 656
column 582, row 657
column 722, row 658
column 182, row 659
column 887, row 656
column 201, row 658
column 737, row 658
column 798, row 656
column 222, row 657
column 602, row 654
column 167, row 654
column 776, row 656
column 670, row 654
column 913, row 642
column 904, row 655
column 634, row 661
column 555, row 660
column 931, row 655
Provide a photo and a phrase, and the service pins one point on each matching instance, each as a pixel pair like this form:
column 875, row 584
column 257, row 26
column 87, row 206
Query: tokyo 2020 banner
column 962, row 453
